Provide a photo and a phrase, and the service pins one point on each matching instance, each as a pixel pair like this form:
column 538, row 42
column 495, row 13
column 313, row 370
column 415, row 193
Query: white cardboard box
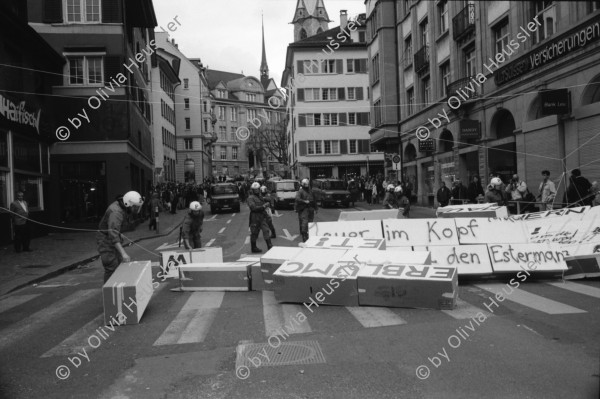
column 420, row 232
column 468, row 259
column 356, row 229
column 374, row 256
column 377, row 214
column 225, row 276
column 127, row 293
column 344, row 243
column 527, row 257
column 274, row 258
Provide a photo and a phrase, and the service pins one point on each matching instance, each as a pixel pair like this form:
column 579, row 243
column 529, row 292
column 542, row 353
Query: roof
column 214, row 77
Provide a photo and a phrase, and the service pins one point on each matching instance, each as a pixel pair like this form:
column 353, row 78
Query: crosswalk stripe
column 14, row 301
column 221, row 231
column 578, row 288
column 531, row 300
column 193, row 320
column 78, row 340
column 208, row 244
column 375, row 317
column 278, row 316
column 50, row 314
column 465, row 310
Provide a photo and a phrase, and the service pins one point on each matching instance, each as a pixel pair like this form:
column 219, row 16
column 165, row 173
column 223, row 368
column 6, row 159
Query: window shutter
column 359, row 93
column 339, row 66
column 300, row 66
column 302, row 120
column 363, row 65
column 111, row 11
column 112, row 67
column 300, row 94
column 341, row 93
column 52, row 11
column 303, row 148
column 343, row 146
column 348, row 64
column 342, row 119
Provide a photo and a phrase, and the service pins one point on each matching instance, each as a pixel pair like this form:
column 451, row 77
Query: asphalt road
column 543, row 341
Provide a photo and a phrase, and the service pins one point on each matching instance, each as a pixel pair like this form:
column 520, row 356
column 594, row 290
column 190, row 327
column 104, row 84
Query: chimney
column 343, row 19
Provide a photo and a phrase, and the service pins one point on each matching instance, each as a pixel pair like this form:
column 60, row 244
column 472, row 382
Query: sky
column 226, row 34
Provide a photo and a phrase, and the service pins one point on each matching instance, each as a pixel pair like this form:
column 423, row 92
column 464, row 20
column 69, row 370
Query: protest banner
column 563, row 231
column 127, row 293
column 272, row 259
column 357, row 229
column 528, row 257
column 490, row 231
column 472, row 211
column 419, row 232
column 372, row 256
column 468, row 259
column 411, row 286
column 344, row 243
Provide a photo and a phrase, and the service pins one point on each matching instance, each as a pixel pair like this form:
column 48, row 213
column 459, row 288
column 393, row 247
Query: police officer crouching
column 258, row 217
column 306, row 207
column 109, row 237
column 192, row 226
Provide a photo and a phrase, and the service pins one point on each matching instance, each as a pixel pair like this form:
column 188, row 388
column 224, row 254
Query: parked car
column 224, row 196
column 283, row 191
column 331, row 192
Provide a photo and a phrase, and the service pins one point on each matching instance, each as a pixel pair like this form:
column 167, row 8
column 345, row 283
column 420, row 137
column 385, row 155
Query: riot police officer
column 306, row 206
column 192, row 226
column 258, row 215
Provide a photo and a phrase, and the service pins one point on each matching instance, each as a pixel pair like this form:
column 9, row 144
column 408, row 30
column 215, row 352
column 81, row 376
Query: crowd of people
column 517, row 195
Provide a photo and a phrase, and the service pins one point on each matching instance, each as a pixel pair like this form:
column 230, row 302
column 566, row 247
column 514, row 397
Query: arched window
column 446, row 141
column 303, row 34
column 503, row 124
column 410, row 153
column 591, row 93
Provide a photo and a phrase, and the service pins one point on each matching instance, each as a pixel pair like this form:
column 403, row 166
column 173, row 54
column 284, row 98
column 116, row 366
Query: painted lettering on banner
column 408, row 232
column 516, row 257
column 344, row 243
column 356, row 229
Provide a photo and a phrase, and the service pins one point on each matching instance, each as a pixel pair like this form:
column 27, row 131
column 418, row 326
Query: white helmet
column 255, row 186
column 390, row 187
column 263, row 189
column 195, row 206
column 496, row 182
column 132, row 198
column 398, row 189
column 304, row 182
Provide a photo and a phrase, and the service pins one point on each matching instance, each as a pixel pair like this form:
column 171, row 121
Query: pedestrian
column 306, row 207
column 475, row 190
column 174, row 201
column 459, row 193
column 155, row 208
column 109, row 237
column 368, row 190
column 443, row 195
column 375, row 193
column 578, row 193
column 257, row 219
column 494, row 193
column 402, row 201
column 192, row 226
column 547, row 192
column 267, row 198
column 389, row 201
column 20, row 217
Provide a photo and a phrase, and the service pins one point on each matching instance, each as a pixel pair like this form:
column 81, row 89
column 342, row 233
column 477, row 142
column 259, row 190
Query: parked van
column 331, row 192
column 283, row 191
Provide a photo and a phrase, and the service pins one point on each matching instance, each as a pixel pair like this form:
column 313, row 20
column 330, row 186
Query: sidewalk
column 65, row 250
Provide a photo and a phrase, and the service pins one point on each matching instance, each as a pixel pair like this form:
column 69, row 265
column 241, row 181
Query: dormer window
column 303, row 34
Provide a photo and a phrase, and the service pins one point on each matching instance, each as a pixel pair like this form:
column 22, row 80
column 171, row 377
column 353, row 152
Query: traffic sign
column 396, row 162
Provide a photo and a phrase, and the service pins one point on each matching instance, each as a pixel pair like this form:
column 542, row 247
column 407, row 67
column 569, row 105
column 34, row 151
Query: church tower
column 264, row 68
column 309, row 20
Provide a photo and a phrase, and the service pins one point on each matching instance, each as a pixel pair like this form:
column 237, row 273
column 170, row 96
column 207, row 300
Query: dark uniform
column 257, row 220
column 192, row 227
column 306, row 212
column 110, row 233
column 269, row 218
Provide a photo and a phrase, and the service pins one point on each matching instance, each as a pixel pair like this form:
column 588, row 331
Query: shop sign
column 18, row 113
column 426, row 145
column 555, row 102
column 470, row 129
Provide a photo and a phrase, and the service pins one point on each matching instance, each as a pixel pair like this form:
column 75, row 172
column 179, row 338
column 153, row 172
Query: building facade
column 497, row 87
column 164, row 82
column 103, row 100
column 30, row 67
column 329, row 104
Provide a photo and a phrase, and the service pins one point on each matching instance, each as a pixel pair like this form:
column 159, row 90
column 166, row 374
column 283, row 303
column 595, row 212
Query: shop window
column 31, row 187
column 26, row 154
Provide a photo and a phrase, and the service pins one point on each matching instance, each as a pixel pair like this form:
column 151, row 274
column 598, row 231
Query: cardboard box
column 172, row 258
column 257, row 283
column 127, row 293
column 564, row 231
column 408, row 286
column 320, row 256
column 583, row 261
column 490, row 231
column 377, row 214
column 226, row 276
column 391, row 255
column 316, row 283
column 356, row 229
column 411, row 232
column 468, row 259
column 532, row 258
column 272, row 259
column 344, row 243
column 462, row 208
column 472, row 211
column 207, row 255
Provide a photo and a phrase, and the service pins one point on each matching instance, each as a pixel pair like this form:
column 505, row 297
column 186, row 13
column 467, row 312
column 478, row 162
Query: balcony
column 460, row 84
column 464, row 22
column 422, row 60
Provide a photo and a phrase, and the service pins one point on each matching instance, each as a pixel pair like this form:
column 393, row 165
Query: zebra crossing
column 195, row 320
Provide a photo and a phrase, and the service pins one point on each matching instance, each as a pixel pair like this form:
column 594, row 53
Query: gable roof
column 213, row 77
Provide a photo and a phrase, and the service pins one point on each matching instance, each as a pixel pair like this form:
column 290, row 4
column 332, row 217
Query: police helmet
column 195, row 206
column 132, row 198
